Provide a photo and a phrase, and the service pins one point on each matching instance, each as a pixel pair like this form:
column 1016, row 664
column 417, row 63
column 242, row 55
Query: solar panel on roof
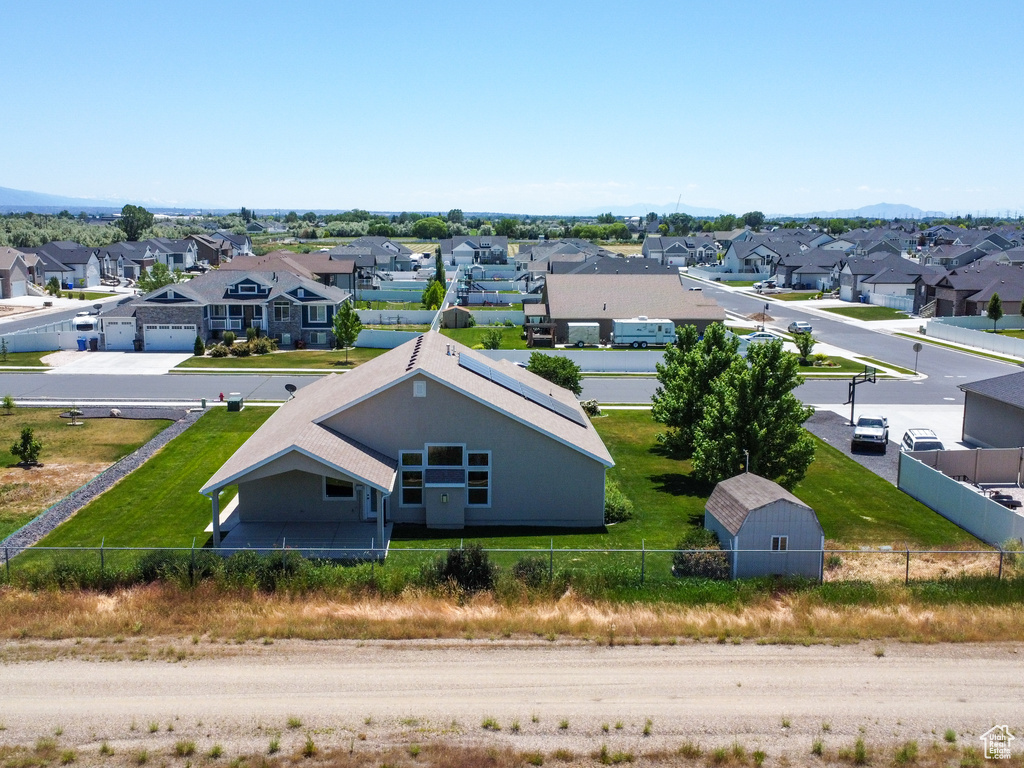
column 512, row 384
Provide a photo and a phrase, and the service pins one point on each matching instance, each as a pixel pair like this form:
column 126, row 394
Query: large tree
column 558, row 370
column 433, row 296
column 430, row 228
column 134, row 221
column 347, row 326
column 751, row 419
column 157, row 277
column 995, row 310
column 689, row 368
column 506, row 227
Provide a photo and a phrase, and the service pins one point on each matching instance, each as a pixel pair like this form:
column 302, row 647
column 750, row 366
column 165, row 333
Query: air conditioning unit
column 286, row 339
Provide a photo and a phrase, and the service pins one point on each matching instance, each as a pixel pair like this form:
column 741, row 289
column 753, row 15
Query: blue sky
column 533, row 107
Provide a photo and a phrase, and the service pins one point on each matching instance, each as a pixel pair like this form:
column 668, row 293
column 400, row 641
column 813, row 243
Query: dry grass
column 26, row 492
column 455, row 754
column 884, row 567
column 167, row 611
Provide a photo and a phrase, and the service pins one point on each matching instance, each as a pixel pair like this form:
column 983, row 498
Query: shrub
column 199, row 349
column 218, row 350
column 229, row 338
column 531, row 571
column 1012, row 549
column 491, row 338
column 261, row 346
column 240, row 350
column 617, row 506
column 251, row 334
column 27, row 448
column 8, row 404
column 470, row 568
column 705, row 558
column 81, row 295
column 590, row 407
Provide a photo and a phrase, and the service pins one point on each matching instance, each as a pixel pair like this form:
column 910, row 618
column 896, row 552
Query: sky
column 527, row 107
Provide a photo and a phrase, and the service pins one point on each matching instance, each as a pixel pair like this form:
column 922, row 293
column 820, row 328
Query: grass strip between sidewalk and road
column 956, row 348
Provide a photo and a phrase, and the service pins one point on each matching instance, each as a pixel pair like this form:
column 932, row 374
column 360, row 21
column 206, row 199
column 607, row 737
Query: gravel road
column 775, row 698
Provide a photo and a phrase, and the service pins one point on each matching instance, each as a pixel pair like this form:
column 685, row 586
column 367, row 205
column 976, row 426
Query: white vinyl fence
column 902, row 303
column 971, row 331
column 960, row 502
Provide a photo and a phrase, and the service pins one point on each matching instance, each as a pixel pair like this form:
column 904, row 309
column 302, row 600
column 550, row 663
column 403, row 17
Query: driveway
column 121, row 363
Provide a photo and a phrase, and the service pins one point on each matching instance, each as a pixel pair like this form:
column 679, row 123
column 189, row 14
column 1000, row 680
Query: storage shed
column 994, row 412
column 456, row 317
column 767, row 530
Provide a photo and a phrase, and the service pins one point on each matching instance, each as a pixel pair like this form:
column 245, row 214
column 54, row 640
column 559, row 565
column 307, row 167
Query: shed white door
column 119, row 334
column 169, row 338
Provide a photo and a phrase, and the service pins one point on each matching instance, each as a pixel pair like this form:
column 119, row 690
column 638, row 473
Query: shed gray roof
column 1007, row 389
column 734, row 499
column 607, row 297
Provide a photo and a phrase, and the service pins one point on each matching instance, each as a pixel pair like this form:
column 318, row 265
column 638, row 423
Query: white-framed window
column 257, row 312
column 419, row 389
column 445, row 455
column 410, row 478
column 248, row 288
column 219, row 310
column 478, row 479
column 282, row 311
column 780, row 543
column 317, row 313
column 335, row 489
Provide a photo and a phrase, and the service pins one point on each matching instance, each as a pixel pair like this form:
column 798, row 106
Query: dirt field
column 525, row 695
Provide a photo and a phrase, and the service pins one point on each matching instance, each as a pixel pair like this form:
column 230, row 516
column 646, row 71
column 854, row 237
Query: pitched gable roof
column 1007, row 389
column 298, row 424
column 734, row 499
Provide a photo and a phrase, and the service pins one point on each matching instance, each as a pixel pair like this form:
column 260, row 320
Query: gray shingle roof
column 597, row 297
column 1007, row 389
column 734, row 499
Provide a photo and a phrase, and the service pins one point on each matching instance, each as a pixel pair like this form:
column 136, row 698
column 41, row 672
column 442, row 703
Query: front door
column 369, row 503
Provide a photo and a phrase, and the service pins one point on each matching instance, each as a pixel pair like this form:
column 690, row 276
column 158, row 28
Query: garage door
column 119, row 334
column 18, row 288
column 169, row 338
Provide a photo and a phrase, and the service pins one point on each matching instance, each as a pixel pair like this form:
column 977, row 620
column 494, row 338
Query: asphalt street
column 36, row 386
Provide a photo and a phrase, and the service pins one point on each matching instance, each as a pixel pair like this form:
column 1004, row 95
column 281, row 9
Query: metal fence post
column 906, row 581
column 1000, row 577
column 551, row 562
column 7, row 562
column 643, row 560
column 192, row 565
column 102, row 542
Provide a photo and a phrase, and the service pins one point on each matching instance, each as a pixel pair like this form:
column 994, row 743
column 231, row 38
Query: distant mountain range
column 18, row 200
column 22, row 200
column 642, row 209
column 877, row 211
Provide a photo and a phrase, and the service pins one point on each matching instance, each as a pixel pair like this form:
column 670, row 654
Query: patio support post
column 380, row 517
column 215, row 502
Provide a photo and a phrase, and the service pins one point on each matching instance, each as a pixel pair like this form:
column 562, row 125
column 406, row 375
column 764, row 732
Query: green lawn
column 795, row 296
column 415, row 327
column 855, row 506
column 1016, row 334
column 70, row 457
column 511, row 337
column 25, row 358
column 297, row 358
column 868, row 312
column 897, row 368
column 506, row 308
column 965, row 350
column 159, row 505
column 93, row 295
column 391, row 306
column 843, row 365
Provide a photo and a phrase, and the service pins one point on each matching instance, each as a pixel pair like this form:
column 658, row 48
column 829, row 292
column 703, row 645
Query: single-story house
column 602, row 298
column 766, row 529
column 994, row 412
column 14, row 274
column 429, row 433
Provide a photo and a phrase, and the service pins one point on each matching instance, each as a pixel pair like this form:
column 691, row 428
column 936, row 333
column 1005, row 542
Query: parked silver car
column 871, row 432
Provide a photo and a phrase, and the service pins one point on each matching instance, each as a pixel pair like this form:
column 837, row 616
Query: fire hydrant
column 222, row 397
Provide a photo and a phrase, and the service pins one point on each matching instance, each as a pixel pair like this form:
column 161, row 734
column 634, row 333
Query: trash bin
column 94, row 344
column 204, row 403
column 235, row 403
column 81, row 344
column 138, row 344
